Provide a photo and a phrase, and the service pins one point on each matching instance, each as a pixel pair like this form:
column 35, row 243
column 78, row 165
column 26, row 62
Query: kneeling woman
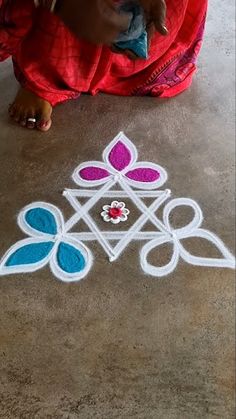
column 62, row 49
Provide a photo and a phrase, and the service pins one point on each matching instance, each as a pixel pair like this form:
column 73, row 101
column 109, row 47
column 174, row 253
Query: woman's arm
column 97, row 21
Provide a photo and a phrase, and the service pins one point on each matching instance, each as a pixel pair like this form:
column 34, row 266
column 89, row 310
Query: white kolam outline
column 175, row 235
column 183, row 202
column 227, row 262
column 66, row 276
column 133, row 165
column 164, row 233
column 147, row 214
column 30, row 231
column 121, row 137
column 40, row 237
column 91, row 183
column 147, row 185
column 33, row 267
column 159, row 271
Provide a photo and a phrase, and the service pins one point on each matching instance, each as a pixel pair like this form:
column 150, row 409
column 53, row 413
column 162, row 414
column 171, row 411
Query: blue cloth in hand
column 135, row 38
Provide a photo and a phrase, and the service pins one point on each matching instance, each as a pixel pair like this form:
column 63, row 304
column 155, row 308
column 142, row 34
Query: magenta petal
column 93, row 173
column 120, row 156
column 143, row 174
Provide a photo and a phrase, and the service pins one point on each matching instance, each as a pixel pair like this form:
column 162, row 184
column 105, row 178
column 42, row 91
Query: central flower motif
column 115, row 213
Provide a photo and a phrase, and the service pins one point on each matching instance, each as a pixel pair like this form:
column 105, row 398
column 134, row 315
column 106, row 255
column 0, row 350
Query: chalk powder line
column 50, row 239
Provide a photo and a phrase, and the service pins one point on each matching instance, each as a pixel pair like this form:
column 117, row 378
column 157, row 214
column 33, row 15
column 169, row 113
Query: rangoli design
column 119, row 177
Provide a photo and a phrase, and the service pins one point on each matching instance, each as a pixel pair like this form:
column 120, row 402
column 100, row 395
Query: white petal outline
column 71, row 277
column 114, row 204
column 106, row 208
column 194, row 224
column 116, row 220
column 160, row 271
column 121, row 205
column 91, row 183
column 106, row 218
column 123, row 217
column 121, row 137
column 227, row 262
column 126, row 211
column 148, row 185
column 25, row 227
column 10, row 270
column 117, row 204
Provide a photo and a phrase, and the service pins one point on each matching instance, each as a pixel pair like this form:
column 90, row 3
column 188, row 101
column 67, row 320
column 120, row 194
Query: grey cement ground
column 119, row 344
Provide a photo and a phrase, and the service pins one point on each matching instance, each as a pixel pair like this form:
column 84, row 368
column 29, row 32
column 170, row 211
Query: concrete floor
column 119, row 344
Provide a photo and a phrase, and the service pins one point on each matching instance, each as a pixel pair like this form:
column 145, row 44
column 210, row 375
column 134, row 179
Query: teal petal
column 70, row 259
column 42, row 220
column 29, row 254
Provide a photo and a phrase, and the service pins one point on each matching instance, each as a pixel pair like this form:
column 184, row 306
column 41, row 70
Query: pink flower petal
column 143, row 174
column 120, row 156
column 93, row 173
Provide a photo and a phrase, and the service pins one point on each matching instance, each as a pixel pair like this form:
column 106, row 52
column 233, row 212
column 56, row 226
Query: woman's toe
column 23, row 121
column 30, row 111
column 16, row 113
column 44, row 121
column 31, row 122
column 44, row 125
column 17, row 116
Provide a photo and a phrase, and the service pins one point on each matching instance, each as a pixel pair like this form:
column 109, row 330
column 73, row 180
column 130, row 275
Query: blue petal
column 41, row 220
column 30, row 254
column 70, row 259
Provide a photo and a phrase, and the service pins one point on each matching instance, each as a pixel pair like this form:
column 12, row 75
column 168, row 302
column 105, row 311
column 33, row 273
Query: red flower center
column 115, row 212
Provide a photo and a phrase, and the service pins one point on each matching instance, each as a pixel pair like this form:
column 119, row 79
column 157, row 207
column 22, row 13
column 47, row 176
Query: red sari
column 50, row 61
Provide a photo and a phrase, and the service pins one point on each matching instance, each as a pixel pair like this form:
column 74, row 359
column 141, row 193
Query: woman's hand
column 156, row 14
column 96, row 21
column 99, row 22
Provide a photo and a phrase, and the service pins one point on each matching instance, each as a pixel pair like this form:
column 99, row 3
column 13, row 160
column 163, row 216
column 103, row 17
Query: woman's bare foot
column 31, row 111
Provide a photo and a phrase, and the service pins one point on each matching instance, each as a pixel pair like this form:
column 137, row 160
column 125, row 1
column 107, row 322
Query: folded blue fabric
column 135, row 38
